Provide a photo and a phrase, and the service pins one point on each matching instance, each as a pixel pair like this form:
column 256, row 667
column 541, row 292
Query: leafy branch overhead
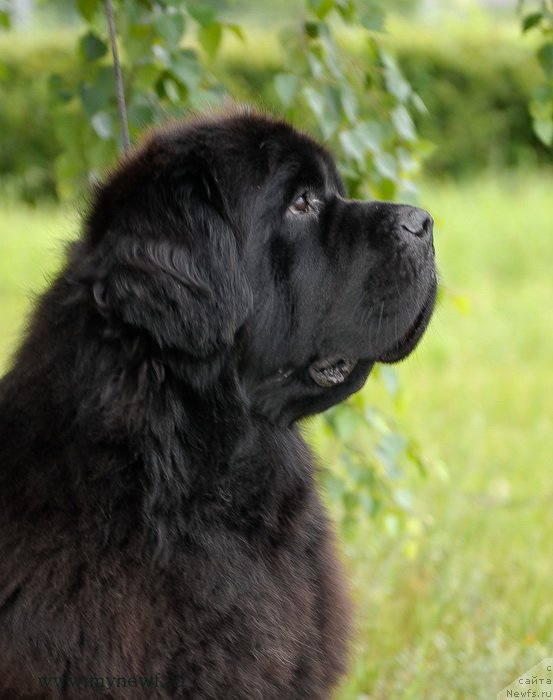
column 538, row 18
column 162, row 71
column 358, row 100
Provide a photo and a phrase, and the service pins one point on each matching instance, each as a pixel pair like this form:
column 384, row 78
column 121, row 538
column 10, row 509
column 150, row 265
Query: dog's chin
column 407, row 343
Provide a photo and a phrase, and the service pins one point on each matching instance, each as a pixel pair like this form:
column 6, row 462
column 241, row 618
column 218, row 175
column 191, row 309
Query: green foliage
column 26, row 115
column 366, row 457
column 161, row 42
column 5, row 16
column 360, row 106
column 476, row 86
column 540, row 18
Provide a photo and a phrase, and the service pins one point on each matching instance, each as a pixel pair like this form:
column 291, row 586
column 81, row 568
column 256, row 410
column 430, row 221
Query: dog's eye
column 300, row 205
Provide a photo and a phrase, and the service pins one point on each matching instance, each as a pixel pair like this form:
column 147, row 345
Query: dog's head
column 232, row 236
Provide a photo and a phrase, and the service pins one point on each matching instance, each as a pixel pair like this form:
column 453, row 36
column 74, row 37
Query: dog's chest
column 253, row 616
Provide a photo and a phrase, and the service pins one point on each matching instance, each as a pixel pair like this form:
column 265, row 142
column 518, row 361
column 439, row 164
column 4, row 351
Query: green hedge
column 476, row 91
column 476, row 88
column 28, row 144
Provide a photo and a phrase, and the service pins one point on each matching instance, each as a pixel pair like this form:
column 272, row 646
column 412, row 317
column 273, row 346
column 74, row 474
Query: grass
column 31, row 248
column 470, row 608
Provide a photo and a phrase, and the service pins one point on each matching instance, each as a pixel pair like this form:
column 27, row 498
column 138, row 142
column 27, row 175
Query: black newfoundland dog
column 160, row 529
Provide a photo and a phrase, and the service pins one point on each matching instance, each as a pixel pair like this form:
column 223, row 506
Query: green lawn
column 31, row 247
column 471, row 607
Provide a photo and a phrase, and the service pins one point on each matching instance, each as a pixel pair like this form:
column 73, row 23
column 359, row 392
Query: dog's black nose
column 416, row 221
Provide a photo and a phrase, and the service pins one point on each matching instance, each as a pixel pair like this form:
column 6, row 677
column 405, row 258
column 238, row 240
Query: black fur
column 158, row 512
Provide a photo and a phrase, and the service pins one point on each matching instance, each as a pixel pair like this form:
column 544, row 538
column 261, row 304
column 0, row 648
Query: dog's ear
column 169, row 257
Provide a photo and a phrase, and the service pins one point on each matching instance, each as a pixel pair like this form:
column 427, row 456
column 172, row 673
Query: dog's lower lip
column 331, row 371
column 403, row 346
column 416, row 324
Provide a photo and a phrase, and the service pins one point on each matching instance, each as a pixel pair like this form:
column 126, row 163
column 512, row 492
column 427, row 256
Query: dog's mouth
column 407, row 343
column 335, row 370
column 331, row 371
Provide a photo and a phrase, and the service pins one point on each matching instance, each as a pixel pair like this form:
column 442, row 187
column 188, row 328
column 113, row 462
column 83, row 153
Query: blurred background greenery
column 439, row 471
